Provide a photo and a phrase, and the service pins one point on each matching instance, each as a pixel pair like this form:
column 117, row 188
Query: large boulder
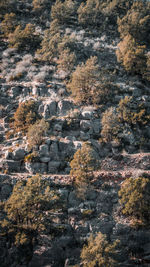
column 11, row 165
column 5, row 191
column 73, row 201
column 19, row 154
column 44, row 150
column 8, row 155
column 54, row 152
column 145, row 163
column 66, row 149
column 50, row 109
column 36, row 167
column 16, row 91
column 86, row 125
column 96, row 126
column 57, row 130
column 53, row 166
column 84, row 136
column 64, row 106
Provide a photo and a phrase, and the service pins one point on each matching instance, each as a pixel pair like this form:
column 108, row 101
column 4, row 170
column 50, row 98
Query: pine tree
column 8, row 24
column 26, row 210
column 135, row 198
column 132, row 55
column 82, row 167
column 25, row 115
column 84, row 81
column 99, row 252
column 36, row 133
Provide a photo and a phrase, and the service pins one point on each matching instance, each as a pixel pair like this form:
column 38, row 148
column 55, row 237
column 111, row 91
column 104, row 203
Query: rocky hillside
column 60, row 66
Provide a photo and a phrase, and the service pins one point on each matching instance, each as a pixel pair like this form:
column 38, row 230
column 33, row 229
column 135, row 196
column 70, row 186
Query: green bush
column 66, row 61
column 90, row 85
column 136, row 22
column 54, row 43
column 83, row 164
column 135, row 198
column 90, row 13
column 41, row 5
column 134, row 31
column 63, row 11
column 25, row 210
column 132, row 55
column 99, row 252
column 24, row 39
column 25, row 115
column 102, row 14
column 49, row 44
column 110, row 125
column 129, row 115
column 36, row 133
column 67, row 43
column 116, row 8
column 84, row 81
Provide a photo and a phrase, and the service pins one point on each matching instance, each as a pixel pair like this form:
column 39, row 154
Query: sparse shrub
column 14, row 76
column 132, row 55
column 99, row 252
column 9, row 24
column 24, row 39
column 32, row 157
column 9, row 134
column 40, row 77
column 26, row 61
column 66, row 61
column 25, row 115
column 21, row 68
column 135, row 198
column 36, row 133
column 83, row 164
